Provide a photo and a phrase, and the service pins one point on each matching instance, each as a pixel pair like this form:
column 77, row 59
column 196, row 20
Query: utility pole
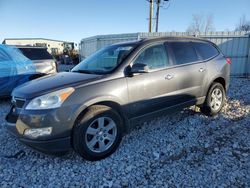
column 158, row 2
column 151, row 8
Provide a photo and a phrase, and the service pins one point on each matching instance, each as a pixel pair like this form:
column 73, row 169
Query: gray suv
column 90, row 108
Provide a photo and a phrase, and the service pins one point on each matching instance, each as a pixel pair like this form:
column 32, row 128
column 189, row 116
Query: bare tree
column 209, row 23
column 201, row 23
column 197, row 24
column 244, row 24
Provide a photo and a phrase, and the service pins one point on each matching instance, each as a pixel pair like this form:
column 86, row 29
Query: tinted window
column 183, row 52
column 104, row 60
column 205, row 50
column 155, row 57
column 4, row 56
column 36, row 53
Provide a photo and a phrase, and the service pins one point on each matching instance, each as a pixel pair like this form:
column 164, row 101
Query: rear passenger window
column 155, row 57
column 205, row 50
column 183, row 52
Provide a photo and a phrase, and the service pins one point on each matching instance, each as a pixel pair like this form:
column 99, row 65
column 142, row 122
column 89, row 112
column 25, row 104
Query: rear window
column 36, row 53
column 183, row 52
column 205, row 50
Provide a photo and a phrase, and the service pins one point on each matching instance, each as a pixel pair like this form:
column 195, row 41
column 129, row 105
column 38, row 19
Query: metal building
column 54, row 47
column 235, row 45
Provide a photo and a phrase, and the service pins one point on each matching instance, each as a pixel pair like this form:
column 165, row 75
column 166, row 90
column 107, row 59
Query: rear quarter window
column 205, row 50
column 183, row 52
column 36, row 53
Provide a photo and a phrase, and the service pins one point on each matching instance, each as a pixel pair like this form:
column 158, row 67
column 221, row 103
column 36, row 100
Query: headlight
column 50, row 100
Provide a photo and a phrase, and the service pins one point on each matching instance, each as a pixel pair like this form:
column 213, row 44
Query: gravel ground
column 183, row 150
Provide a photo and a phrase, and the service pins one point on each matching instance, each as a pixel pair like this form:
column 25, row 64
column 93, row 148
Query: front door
column 147, row 90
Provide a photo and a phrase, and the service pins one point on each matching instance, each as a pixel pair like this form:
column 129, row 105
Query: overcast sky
column 72, row 20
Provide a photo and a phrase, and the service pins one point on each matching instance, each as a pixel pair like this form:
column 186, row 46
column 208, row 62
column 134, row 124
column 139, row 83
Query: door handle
column 202, row 70
column 169, row 77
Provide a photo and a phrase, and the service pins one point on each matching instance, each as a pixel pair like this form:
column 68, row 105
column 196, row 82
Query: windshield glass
column 104, row 60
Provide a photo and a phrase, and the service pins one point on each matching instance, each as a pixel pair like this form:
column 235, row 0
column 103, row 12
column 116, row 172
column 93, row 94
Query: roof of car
column 155, row 39
column 24, row 46
column 173, row 38
column 36, row 39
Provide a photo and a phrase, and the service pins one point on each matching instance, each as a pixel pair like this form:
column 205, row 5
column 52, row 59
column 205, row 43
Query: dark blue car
column 15, row 69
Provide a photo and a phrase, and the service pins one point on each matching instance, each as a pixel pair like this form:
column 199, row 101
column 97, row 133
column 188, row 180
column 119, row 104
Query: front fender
column 96, row 100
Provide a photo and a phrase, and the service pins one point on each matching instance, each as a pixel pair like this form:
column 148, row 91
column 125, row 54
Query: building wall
column 50, row 44
column 235, row 45
column 89, row 45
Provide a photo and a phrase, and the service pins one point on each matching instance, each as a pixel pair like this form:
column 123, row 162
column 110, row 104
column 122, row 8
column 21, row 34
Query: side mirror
column 139, row 68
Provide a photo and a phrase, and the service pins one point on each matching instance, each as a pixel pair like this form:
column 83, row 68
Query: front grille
column 12, row 116
column 17, row 102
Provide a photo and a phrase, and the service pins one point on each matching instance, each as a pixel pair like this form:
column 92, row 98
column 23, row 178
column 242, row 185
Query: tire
column 213, row 106
column 98, row 134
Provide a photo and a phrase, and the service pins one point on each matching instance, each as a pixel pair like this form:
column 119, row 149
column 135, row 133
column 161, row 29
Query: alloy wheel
column 101, row 134
column 216, row 99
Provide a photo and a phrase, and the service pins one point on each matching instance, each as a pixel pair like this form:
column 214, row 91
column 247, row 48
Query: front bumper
column 61, row 120
column 47, row 146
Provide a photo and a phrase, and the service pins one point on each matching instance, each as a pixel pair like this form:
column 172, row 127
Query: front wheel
column 98, row 134
column 215, row 100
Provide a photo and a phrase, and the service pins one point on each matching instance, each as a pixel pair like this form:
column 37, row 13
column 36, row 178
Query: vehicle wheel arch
column 218, row 79
column 116, row 106
column 206, row 107
column 109, row 103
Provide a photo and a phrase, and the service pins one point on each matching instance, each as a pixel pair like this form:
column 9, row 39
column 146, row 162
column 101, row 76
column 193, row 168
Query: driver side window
column 155, row 57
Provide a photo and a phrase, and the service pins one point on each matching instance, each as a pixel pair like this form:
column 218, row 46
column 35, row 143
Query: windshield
column 104, row 60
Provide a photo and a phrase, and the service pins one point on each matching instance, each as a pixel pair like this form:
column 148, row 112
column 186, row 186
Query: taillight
column 229, row 61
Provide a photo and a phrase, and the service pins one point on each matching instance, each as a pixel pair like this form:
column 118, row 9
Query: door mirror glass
column 139, row 68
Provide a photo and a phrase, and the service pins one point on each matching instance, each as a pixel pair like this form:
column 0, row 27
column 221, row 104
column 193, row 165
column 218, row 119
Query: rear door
column 187, row 74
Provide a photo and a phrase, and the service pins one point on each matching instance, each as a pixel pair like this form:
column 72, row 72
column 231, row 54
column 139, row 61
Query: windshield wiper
column 84, row 71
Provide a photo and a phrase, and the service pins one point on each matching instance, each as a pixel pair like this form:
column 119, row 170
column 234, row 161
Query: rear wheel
column 214, row 100
column 98, row 134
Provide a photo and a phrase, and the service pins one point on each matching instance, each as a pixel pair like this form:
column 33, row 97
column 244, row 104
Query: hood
column 51, row 83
